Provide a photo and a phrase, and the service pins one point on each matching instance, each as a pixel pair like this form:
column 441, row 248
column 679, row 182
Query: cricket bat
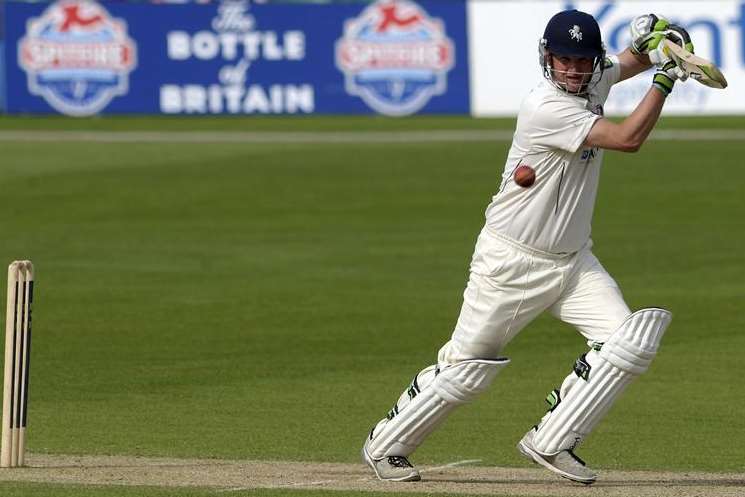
column 697, row 68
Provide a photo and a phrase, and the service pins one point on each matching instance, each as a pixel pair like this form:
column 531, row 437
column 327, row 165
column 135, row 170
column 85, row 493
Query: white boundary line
column 258, row 137
column 326, row 137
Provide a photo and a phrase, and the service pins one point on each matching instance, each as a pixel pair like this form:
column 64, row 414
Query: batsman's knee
column 633, row 346
column 462, row 382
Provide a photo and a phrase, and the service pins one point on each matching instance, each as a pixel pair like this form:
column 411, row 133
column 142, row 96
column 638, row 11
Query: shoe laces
column 576, row 458
column 399, row 462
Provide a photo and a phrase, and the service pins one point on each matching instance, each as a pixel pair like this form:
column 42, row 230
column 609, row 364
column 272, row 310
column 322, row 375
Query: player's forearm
column 632, row 64
column 637, row 126
column 632, row 132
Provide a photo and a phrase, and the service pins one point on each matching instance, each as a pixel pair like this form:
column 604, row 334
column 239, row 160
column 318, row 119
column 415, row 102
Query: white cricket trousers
column 511, row 284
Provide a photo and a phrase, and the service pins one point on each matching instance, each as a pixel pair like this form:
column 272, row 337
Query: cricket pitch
column 227, row 477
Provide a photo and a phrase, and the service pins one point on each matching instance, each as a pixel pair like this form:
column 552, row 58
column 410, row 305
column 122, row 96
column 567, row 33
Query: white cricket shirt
column 555, row 213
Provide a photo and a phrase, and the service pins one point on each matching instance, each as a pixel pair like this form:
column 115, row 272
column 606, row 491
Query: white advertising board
column 504, row 52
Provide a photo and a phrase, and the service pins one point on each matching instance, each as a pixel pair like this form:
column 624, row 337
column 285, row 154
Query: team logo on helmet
column 77, row 57
column 576, row 33
column 395, row 57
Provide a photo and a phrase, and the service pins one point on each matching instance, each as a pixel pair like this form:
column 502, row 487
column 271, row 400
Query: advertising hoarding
column 80, row 57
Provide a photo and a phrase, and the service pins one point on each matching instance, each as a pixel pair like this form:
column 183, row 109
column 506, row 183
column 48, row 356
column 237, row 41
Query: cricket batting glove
column 666, row 75
column 649, row 30
column 667, row 70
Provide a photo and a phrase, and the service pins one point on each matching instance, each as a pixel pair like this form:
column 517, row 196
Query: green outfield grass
column 315, row 123
column 272, row 301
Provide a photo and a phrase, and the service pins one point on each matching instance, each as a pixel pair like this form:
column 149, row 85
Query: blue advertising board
column 80, row 57
column 2, row 56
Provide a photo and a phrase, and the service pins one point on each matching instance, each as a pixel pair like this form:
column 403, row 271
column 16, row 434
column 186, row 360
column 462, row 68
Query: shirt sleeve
column 559, row 124
column 611, row 75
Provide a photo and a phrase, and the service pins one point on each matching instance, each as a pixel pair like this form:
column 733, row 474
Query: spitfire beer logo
column 395, row 57
column 77, row 57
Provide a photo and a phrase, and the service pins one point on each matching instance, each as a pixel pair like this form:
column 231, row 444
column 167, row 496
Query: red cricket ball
column 524, row 176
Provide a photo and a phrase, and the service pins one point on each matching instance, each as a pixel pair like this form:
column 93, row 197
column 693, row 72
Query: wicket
column 17, row 354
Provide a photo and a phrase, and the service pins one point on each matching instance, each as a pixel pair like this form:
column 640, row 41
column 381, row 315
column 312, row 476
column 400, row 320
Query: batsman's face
column 573, row 73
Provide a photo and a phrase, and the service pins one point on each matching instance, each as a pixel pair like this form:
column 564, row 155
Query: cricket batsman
column 534, row 255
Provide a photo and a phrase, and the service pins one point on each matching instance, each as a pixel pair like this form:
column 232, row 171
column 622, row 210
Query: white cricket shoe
column 391, row 468
column 566, row 464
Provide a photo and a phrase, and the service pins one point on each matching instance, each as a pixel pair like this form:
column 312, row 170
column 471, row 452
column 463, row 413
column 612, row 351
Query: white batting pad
column 626, row 355
column 425, row 404
column 633, row 349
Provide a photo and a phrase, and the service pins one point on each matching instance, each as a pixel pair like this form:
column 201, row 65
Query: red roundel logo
column 77, row 57
column 395, row 57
